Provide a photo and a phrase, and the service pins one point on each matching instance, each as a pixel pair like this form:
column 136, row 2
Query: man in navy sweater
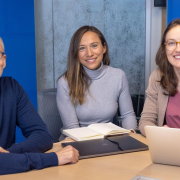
column 16, row 109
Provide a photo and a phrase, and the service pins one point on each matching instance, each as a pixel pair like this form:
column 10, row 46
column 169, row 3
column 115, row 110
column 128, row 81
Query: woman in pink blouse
column 162, row 105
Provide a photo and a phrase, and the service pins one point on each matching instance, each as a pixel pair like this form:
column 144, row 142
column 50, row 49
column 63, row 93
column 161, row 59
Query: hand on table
column 165, row 126
column 67, row 155
column 3, row 150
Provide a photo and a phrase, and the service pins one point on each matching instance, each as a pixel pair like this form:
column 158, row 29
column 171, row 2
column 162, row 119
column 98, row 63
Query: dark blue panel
column 173, row 10
column 18, row 33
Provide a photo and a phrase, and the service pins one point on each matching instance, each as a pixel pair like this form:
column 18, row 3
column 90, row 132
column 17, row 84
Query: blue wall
column 173, row 10
column 17, row 30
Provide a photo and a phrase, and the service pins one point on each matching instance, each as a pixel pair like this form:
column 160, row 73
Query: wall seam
column 53, row 45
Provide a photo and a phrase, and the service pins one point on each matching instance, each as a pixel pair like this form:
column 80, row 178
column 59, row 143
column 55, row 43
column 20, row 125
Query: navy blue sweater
column 17, row 110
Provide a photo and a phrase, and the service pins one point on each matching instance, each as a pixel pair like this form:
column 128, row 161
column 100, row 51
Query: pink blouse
column 173, row 111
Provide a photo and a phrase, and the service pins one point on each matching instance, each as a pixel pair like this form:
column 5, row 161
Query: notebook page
column 106, row 128
column 82, row 133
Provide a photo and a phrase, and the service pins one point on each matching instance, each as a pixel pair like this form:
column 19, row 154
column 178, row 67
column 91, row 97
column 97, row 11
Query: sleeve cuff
column 49, row 159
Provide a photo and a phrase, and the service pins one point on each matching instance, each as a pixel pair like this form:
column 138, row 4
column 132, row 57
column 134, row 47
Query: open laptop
column 164, row 144
column 107, row 146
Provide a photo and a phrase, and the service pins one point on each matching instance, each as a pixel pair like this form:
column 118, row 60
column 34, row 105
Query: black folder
column 107, row 146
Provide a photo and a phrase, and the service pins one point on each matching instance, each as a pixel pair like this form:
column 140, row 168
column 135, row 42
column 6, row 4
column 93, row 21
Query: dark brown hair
column 78, row 80
column 169, row 80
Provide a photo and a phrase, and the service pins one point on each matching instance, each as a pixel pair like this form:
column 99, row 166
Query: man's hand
column 3, row 150
column 67, row 155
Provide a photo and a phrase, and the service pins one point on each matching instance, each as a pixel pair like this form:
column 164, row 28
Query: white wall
column 155, row 26
column 158, row 26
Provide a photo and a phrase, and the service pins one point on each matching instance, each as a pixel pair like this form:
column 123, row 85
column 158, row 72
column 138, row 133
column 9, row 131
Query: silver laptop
column 164, row 144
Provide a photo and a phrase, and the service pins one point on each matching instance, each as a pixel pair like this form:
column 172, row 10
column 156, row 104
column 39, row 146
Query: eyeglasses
column 171, row 45
column 1, row 54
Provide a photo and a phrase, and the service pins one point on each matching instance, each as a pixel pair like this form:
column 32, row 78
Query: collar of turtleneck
column 98, row 73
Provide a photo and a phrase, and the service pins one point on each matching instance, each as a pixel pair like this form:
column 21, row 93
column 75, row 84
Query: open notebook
column 95, row 131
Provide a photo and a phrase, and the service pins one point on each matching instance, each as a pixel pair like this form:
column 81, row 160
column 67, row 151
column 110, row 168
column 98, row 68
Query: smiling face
column 3, row 59
column 91, row 50
column 173, row 56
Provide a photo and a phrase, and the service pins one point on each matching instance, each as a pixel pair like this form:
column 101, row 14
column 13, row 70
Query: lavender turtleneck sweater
column 108, row 91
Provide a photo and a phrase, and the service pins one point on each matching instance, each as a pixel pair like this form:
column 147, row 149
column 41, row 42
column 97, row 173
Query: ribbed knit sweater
column 17, row 110
column 108, row 91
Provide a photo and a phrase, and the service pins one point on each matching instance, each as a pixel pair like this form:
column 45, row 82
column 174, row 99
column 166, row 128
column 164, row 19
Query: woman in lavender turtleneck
column 91, row 91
